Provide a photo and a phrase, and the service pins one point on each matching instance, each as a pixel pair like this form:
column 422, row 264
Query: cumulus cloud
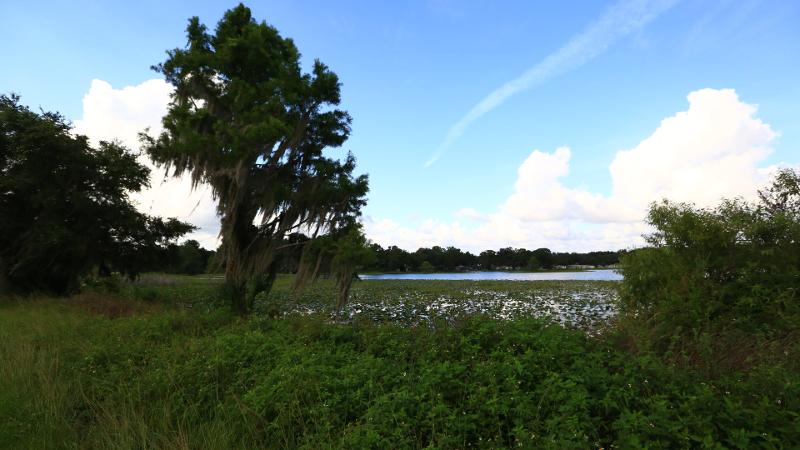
column 469, row 214
column 539, row 194
column 708, row 152
column 621, row 19
column 120, row 114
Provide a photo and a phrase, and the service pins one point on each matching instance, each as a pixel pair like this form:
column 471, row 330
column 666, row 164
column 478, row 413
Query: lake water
column 588, row 275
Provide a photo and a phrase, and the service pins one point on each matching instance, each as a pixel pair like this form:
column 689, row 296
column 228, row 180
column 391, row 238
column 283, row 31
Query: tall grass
column 52, row 395
column 91, row 373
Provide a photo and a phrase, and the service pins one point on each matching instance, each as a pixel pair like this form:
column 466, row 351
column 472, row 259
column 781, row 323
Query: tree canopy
column 247, row 121
column 65, row 207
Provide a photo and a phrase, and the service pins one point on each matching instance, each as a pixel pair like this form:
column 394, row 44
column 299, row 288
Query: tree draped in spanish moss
column 247, row 121
column 340, row 254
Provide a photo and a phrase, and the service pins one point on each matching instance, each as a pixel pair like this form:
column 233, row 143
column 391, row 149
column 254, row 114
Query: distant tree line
column 191, row 259
column 395, row 259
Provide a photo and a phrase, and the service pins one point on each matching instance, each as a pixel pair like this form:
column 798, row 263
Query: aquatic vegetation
column 575, row 304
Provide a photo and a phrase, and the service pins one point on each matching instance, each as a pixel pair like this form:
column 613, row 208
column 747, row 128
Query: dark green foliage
column 291, row 252
column 439, row 258
column 351, row 254
column 395, row 259
column 392, row 259
column 544, row 256
column 426, row 267
column 192, row 258
column 314, row 261
column 340, row 254
column 721, row 271
column 488, row 259
column 188, row 258
column 245, row 120
column 64, row 206
column 208, row 380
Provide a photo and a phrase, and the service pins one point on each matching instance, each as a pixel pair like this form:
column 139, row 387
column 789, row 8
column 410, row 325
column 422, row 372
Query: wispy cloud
column 621, row 19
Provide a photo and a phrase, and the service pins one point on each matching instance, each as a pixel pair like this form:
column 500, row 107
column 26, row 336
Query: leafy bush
column 211, row 380
column 65, row 205
column 270, row 304
column 721, row 271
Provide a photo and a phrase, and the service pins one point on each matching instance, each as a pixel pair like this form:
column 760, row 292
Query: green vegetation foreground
column 100, row 371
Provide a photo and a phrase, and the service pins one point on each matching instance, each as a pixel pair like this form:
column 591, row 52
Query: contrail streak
column 621, row 19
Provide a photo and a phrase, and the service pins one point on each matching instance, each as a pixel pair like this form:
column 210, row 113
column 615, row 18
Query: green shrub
column 709, row 273
column 212, row 380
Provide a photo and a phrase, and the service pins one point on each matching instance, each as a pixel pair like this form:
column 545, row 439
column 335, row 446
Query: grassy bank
column 158, row 365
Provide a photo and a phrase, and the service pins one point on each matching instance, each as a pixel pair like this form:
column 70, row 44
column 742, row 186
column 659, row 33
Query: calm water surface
column 600, row 274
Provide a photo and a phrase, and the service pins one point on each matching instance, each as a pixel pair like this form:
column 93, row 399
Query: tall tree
column 64, row 206
column 247, row 121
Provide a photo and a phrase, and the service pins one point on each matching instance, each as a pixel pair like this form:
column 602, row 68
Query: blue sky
column 411, row 70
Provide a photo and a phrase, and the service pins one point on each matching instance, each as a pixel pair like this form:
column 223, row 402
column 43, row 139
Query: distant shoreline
column 377, row 272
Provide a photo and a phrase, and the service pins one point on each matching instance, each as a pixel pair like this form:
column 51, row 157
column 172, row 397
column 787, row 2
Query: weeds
column 201, row 378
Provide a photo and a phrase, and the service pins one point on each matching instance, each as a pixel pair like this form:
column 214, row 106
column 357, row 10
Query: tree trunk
column 315, row 274
column 237, row 234
column 344, row 281
column 5, row 286
column 264, row 282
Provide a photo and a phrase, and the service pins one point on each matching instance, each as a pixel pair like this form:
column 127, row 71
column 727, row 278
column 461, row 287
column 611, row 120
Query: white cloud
column 711, row 150
column 500, row 230
column 703, row 154
column 621, row 19
column 708, row 152
column 121, row 114
column 469, row 214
